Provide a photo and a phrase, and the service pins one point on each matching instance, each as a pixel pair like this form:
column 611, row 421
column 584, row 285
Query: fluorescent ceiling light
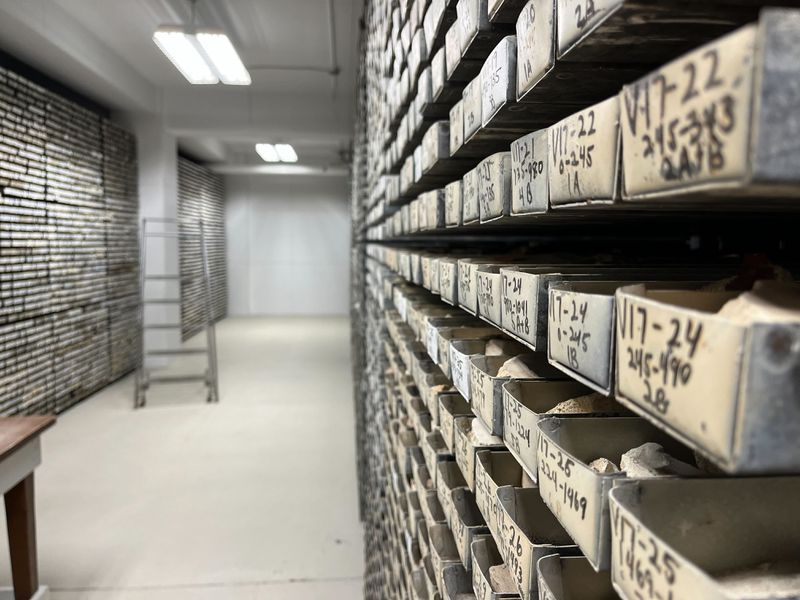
column 178, row 47
column 286, row 153
column 223, row 57
column 276, row 153
column 268, row 153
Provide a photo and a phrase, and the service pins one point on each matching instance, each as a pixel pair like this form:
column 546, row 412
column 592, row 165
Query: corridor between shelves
column 253, row 498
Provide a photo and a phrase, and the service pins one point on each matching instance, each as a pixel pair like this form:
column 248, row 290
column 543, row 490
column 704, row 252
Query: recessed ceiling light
column 180, row 49
column 223, row 56
column 286, row 153
column 268, row 153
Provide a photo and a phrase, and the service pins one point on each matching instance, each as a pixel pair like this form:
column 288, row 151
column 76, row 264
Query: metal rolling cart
column 166, row 228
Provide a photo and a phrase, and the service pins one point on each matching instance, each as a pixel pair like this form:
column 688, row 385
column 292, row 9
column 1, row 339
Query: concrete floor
column 253, row 498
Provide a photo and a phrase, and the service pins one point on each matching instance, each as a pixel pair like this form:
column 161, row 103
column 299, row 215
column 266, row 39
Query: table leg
column 22, row 538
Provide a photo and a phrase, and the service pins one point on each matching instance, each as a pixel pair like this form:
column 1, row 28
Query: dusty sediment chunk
column 501, row 580
column 500, row 347
column 516, row 368
column 768, row 302
column 650, row 460
column 590, row 403
column 603, row 466
column 442, row 387
column 480, row 436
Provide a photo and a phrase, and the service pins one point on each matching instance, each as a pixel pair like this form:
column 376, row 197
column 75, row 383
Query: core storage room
column 399, row 299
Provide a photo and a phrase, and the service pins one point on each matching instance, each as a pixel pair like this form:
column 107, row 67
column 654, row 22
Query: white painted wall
column 288, row 245
column 157, row 153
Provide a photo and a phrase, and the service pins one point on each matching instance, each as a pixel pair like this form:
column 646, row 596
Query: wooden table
column 20, row 454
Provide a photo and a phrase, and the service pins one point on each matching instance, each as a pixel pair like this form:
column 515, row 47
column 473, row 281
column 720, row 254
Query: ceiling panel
column 266, row 32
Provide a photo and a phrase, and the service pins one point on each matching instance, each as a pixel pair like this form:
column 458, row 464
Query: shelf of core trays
column 570, row 55
column 713, row 370
column 450, row 45
column 517, row 421
column 667, row 141
column 569, row 310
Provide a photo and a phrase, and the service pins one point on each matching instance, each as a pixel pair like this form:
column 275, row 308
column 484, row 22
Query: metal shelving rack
column 201, row 198
column 68, row 249
column 424, row 61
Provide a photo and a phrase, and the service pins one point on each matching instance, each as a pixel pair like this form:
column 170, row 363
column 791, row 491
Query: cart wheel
column 139, row 399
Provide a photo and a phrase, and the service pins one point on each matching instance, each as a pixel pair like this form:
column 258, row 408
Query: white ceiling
column 266, row 32
column 104, row 49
